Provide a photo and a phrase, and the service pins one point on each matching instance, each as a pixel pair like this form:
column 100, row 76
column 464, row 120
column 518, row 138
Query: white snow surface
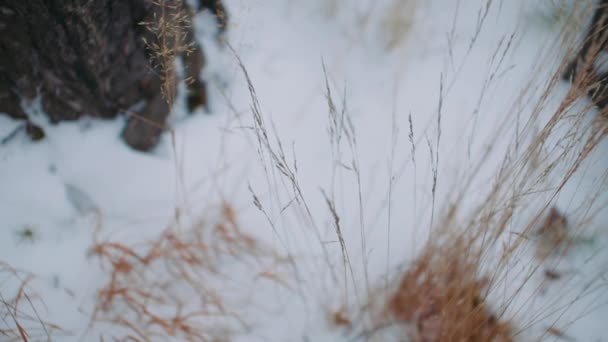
column 82, row 175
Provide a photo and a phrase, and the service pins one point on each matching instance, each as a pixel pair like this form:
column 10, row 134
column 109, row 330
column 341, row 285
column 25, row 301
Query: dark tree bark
column 95, row 58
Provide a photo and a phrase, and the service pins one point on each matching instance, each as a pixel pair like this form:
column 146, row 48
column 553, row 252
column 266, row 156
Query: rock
column 99, row 58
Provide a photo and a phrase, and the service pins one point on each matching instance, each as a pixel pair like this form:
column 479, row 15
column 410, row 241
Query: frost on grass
column 187, row 284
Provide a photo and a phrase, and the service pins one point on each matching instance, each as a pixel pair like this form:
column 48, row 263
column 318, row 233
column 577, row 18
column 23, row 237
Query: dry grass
column 441, row 297
column 19, row 318
column 169, row 26
column 185, row 284
column 449, row 292
column 188, row 285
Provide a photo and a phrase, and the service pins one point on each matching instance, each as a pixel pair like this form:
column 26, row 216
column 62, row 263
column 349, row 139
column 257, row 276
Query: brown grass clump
column 442, row 298
column 180, row 284
column 19, row 318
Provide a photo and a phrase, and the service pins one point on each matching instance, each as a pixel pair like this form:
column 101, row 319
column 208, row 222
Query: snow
column 82, row 178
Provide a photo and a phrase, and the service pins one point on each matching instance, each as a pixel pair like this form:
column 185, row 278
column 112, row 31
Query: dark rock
column 94, row 58
column 34, row 131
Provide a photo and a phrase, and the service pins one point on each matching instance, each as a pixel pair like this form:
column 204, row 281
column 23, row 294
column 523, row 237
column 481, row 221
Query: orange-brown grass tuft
column 179, row 285
column 442, row 298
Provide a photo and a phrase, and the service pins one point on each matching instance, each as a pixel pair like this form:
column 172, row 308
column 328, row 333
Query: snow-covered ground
column 448, row 69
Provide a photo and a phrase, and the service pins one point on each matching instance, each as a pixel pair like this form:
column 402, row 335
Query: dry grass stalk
column 281, row 169
column 179, row 285
column 19, row 318
column 169, row 26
